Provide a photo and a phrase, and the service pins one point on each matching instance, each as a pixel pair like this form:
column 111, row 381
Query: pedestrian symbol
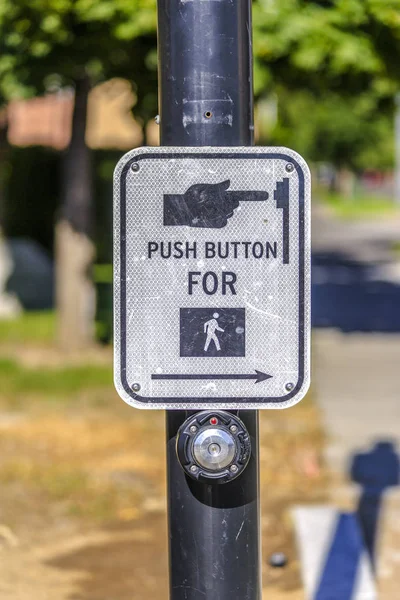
column 210, row 327
column 212, row 332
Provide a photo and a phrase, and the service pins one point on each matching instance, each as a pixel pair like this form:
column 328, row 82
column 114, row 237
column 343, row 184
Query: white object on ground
column 316, row 527
column 9, row 304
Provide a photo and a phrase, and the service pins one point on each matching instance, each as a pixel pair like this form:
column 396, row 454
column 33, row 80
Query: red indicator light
column 214, row 421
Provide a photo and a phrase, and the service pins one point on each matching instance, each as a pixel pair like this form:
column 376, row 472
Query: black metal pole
column 206, row 99
column 205, row 72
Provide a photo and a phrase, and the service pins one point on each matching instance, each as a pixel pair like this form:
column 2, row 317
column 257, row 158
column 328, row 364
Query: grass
column 29, row 327
column 56, row 484
column 73, row 486
column 56, row 376
column 396, row 249
column 16, row 380
column 359, row 206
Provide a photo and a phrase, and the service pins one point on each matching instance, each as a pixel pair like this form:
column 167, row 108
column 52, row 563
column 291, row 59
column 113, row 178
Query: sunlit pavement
column 356, row 351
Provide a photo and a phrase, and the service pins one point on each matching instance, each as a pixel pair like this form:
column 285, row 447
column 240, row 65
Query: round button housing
column 213, row 446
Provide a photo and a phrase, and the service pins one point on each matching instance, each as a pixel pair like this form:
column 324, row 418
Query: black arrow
column 258, row 376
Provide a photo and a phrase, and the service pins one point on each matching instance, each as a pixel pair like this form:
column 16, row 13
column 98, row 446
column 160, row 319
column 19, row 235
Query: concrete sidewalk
column 356, row 374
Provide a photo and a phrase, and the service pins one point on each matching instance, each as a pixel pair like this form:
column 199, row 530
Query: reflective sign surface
column 212, row 277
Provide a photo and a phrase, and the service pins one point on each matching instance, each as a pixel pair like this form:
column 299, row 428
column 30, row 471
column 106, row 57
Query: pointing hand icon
column 206, row 205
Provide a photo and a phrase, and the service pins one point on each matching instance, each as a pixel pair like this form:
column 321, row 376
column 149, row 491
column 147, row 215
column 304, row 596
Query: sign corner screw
column 278, row 560
column 135, row 167
column 289, row 386
column 135, row 387
column 289, row 167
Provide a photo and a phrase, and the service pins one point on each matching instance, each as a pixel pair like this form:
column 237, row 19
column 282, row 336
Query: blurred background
column 82, row 501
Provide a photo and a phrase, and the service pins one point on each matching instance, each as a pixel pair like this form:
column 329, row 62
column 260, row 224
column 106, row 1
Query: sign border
column 197, row 402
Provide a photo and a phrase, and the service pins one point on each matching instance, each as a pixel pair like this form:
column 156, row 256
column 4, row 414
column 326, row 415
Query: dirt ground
column 82, row 501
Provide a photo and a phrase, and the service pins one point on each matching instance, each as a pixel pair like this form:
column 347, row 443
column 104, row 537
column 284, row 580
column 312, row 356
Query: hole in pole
column 208, row 114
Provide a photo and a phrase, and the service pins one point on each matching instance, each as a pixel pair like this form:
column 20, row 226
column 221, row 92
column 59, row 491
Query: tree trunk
column 347, row 183
column 3, row 159
column 74, row 249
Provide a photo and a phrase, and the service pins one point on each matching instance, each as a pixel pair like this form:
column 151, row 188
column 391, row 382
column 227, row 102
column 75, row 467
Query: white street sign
column 212, row 277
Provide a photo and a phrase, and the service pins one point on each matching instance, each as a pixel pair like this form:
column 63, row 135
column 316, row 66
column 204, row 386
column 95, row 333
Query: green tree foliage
column 346, row 46
column 338, row 57
column 334, row 66
column 55, row 41
column 347, row 132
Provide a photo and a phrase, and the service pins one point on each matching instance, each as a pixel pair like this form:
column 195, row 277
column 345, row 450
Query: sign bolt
column 278, row 559
column 234, row 468
column 233, row 428
column 194, row 469
column 135, row 387
column 193, row 429
column 289, row 386
column 157, row 119
column 135, row 167
column 289, row 167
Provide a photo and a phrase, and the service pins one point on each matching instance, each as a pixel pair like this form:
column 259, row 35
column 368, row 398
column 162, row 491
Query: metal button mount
column 213, row 446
